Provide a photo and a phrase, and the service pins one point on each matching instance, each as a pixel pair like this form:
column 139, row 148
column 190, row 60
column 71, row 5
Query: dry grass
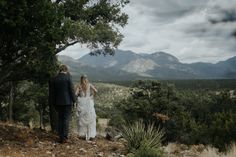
column 232, row 151
column 212, row 152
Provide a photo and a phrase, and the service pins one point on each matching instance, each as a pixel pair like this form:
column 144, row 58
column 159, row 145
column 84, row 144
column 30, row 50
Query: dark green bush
column 145, row 151
column 138, row 134
column 196, row 116
column 143, row 140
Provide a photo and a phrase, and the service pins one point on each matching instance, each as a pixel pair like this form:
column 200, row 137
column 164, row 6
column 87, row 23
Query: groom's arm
column 71, row 89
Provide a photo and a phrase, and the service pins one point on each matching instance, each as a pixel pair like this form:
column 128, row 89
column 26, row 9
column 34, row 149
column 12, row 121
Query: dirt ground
column 20, row 141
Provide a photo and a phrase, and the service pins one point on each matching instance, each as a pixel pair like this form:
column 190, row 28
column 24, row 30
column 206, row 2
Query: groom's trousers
column 64, row 116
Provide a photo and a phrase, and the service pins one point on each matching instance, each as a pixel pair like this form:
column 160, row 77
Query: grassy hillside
column 192, row 84
column 107, row 95
column 110, row 93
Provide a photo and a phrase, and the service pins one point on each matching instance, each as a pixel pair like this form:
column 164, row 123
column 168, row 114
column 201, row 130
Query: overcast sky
column 178, row 27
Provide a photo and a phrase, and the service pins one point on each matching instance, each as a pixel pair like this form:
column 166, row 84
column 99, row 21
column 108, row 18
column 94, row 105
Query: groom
column 63, row 99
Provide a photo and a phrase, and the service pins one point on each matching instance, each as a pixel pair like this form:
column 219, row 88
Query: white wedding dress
column 86, row 115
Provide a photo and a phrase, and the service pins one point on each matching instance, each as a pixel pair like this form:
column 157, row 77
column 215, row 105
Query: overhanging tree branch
column 65, row 46
column 63, row 24
column 58, row 1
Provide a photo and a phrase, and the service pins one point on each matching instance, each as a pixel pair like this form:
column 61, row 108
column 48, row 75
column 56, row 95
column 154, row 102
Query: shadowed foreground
column 19, row 141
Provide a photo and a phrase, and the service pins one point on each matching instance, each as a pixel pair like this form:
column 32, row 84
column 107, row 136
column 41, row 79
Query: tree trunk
column 41, row 119
column 52, row 111
column 11, row 101
column 53, row 118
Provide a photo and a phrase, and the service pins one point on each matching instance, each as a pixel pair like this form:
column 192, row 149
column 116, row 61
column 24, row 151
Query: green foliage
column 33, row 32
column 139, row 134
column 204, row 84
column 107, row 96
column 222, row 128
column 30, row 104
column 196, row 116
column 148, row 97
column 27, row 39
column 117, row 119
column 146, row 151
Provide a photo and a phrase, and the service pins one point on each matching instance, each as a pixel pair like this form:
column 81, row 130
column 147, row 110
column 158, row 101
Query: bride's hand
column 78, row 111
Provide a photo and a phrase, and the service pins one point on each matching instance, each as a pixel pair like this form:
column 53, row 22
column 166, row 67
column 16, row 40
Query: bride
column 85, row 108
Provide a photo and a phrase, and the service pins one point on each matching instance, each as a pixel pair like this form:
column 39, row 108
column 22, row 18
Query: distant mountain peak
column 65, row 58
column 129, row 65
column 160, row 53
column 163, row 57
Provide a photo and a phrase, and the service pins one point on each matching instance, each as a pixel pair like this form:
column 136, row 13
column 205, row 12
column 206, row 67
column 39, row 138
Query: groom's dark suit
column 63, row 99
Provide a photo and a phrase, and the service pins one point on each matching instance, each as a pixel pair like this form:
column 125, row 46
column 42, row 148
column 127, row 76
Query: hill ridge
column 128, row 65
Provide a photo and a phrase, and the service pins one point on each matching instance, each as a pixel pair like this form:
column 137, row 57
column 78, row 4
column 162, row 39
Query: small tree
column 33, row 32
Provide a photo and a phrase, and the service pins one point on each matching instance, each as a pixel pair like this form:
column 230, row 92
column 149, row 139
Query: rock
column 188, row 153
column 112, row 134
column 82, row 150
column 31, row 124
column 200, row 148
column 101, row 154
column 181, row 150
column 48, row 152
column 183, row 147
column 172, row 148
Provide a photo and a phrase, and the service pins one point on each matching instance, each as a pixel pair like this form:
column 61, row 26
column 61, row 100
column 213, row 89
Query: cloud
column 179, row 27
column 182, row 28
column 168, row 10
column 76, row 51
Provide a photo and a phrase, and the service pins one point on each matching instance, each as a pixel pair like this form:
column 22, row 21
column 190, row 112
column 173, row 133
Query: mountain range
column 127, row 65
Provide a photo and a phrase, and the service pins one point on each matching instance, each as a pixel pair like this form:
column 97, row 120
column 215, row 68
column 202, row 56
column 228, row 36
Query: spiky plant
column 138, row 133
column 147, row 151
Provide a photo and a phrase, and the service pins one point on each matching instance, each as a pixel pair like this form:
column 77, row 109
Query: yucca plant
column 138, row 134
column 146, row 151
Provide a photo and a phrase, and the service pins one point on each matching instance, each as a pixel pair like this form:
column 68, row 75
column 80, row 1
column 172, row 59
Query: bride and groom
column 63, row 96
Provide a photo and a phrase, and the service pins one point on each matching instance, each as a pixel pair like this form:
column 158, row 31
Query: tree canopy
column 33, row 32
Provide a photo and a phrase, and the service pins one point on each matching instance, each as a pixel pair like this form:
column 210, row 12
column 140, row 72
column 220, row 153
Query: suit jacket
column 61, row 90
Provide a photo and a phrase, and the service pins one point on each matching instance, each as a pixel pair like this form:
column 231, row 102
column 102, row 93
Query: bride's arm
column 94, row 89
column 77, row 91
